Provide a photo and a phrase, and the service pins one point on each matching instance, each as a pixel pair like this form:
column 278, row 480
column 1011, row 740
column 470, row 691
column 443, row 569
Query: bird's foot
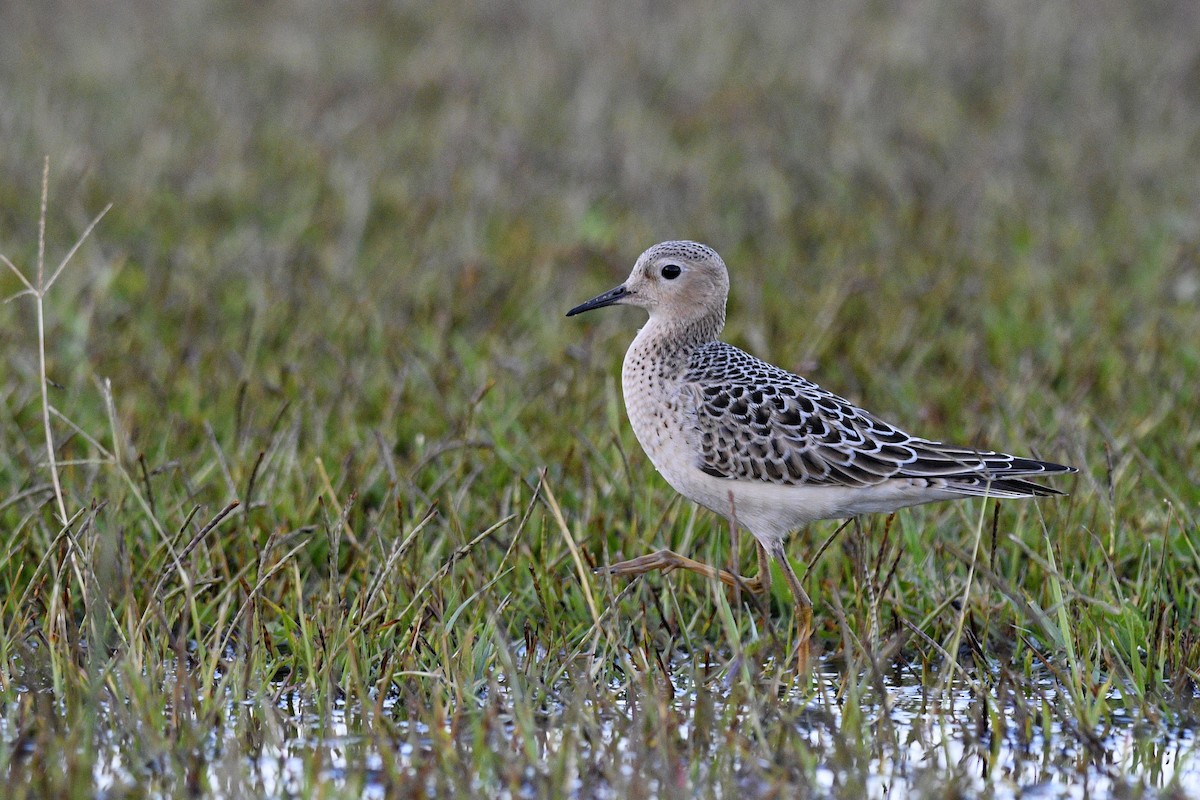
column 668, row 560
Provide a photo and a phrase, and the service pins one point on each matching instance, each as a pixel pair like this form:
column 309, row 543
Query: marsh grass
column 328, row 472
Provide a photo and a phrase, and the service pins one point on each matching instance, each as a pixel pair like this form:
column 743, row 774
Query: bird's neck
column 688, row 332
column 671, row 342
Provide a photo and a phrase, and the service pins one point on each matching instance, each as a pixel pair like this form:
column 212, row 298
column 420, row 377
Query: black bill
column 606, row 299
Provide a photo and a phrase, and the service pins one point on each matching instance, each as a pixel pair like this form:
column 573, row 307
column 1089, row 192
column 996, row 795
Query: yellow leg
column 668, row 560
column 803, row 609
column 763, row 578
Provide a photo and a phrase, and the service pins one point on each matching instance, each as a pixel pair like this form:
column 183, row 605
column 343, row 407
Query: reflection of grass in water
column 330, row 288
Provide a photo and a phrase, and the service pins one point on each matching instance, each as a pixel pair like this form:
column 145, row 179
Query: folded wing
column 754, row 421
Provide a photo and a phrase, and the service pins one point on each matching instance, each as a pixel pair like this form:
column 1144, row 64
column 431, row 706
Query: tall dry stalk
column 39, row 288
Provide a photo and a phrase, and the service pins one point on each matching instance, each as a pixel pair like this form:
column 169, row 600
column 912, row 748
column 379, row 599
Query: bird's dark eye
column 671, row 271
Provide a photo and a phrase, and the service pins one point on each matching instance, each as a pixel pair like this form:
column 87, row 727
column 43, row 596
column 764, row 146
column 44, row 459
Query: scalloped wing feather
column 751, row 420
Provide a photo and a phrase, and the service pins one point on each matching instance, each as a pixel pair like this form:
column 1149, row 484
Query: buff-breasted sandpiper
column 767, row 449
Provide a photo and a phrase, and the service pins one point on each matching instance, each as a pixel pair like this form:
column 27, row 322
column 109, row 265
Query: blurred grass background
column 331, row 287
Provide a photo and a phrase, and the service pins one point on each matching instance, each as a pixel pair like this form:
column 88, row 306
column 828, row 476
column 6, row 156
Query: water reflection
column 890, row 736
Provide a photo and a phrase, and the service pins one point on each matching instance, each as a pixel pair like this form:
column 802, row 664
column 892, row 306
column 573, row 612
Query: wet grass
column 335, row 470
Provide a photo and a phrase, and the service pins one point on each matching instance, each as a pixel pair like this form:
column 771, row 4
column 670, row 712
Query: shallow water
column 920, row 738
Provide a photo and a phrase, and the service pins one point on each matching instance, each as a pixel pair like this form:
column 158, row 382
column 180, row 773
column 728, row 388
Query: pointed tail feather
column 1005, row 488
